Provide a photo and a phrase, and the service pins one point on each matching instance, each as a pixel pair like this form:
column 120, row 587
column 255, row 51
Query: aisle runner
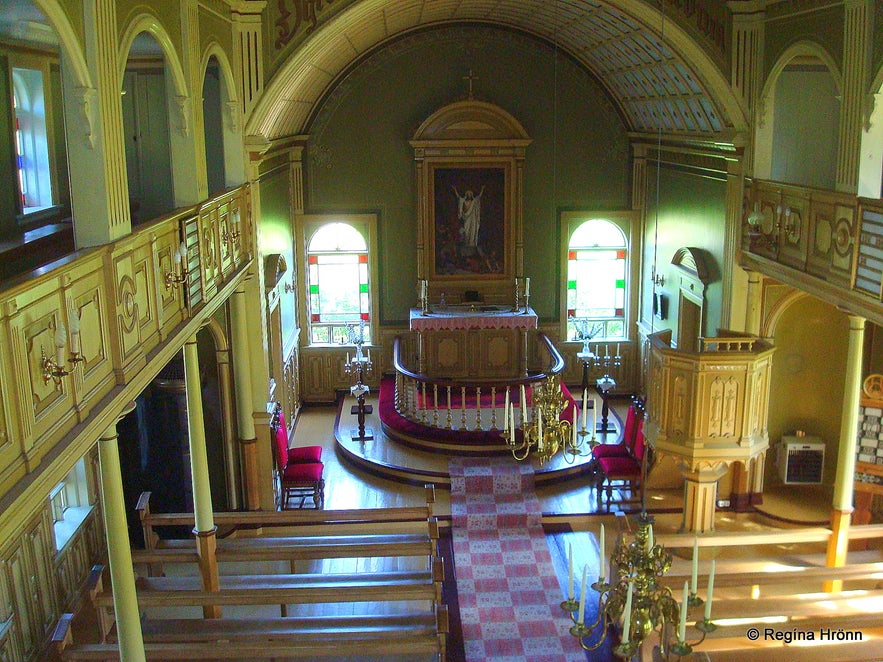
column 508, row 590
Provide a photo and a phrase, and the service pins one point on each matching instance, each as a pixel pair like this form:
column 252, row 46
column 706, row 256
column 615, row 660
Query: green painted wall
column 690, row 211
column 823, row 26
column 359, row 158
column 274, row 225
column 805, row 127
column 806, row 387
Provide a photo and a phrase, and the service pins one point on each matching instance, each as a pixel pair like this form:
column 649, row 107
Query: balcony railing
column 827, row 243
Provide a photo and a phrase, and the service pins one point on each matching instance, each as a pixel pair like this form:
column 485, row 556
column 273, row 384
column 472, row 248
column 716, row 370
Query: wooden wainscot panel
column 44, row 405
column 499, row 351
column 317, row 382
column 792, row 216
column 170, row 298
column 831, row 230
column 126, row 311
column 209, row 249
column 227, row 229
column 11, row 458
column 86, row 299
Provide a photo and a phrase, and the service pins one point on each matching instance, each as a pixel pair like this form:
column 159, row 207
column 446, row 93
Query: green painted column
column 119, row 552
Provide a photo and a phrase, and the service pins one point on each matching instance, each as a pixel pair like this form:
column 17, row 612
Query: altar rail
column 431, row 401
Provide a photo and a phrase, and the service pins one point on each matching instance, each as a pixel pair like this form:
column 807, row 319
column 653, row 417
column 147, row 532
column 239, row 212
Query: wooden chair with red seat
column 299, row 470
column 625, row 446
column 628, row 469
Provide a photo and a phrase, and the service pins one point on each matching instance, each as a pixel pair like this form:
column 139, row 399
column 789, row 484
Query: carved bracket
column 183, row 105
column 86, row 105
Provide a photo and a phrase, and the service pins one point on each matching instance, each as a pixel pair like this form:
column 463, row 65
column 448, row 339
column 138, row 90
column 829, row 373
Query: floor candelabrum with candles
column 634, row 603
column 542, row 430
column 358, row 367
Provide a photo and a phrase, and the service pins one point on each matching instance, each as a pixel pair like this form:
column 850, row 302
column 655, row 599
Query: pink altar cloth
column 481, row 317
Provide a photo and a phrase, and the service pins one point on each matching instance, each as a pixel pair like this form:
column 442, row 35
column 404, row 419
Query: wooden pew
column 733, row 577
column 281, row 589
column 260, row 639
column 298, row 548
column 315, row 522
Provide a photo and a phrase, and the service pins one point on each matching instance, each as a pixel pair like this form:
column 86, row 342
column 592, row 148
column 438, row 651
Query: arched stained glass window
column 338, row 283
column 597, row 268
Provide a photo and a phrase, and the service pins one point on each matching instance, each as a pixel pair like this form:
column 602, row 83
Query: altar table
column 473, row 340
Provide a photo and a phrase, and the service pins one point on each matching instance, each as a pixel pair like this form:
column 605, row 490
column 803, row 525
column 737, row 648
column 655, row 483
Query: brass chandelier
column 635, row 602
column 544, row 432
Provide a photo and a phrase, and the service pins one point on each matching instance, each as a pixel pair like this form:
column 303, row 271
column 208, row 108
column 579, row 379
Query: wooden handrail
column 779, row 536
column 557, row 366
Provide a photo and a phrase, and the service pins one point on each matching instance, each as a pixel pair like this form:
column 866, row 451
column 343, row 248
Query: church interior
column 441, row 330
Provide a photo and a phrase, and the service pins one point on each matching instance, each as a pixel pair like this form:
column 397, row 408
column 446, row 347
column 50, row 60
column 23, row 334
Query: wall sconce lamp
column 53, row 367
column 756, row 230
column 179, row 275
column 790, row 224
column 657, row 278
column 235, row 219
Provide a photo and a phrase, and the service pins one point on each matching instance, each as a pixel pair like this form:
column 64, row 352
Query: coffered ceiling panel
column 626, row 44
column 660, row 78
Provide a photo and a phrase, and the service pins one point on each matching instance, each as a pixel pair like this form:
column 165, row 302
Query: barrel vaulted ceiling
column 659, row 76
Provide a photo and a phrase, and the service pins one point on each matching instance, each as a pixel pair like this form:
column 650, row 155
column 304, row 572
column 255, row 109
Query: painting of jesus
column 470, row 221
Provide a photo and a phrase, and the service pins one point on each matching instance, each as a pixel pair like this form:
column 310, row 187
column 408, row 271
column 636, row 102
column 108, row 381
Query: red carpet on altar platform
column 507, row 587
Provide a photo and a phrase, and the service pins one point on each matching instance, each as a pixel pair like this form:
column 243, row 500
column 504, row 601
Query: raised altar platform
column 416, row 454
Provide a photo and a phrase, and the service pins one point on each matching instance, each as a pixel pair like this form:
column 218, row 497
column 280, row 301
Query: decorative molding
column 232, row 116
column 183, row 107
column 693, row 262
column 87, row 100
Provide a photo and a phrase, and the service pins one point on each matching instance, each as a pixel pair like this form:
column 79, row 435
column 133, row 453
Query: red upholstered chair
column 627, row 443
column 625, row 469
column 298, row 470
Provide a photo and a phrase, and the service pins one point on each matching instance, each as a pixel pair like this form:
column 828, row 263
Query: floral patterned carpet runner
column 508, row 590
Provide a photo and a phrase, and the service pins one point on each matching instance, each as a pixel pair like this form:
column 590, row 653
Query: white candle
column 347, row 358
column 75, row 332
column 682, row 625
column 710, row 592
column 523, row 407
column 512, row 422
column 650, row 538
column 695, row 569
column 182, row 251
column 594, row 417
column 60, row 342
column 585, row 408
column 527, row 287
column 569, row 571
column 540, row 429
column 573, row 427
column 617, row 349
column 369, row 355
column 627, row 614
column 602, row 546
column 506, row 411
column 582, row 598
